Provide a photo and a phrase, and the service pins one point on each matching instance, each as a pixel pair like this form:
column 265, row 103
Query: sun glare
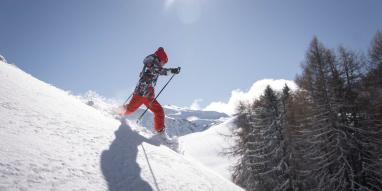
column 187, row 11
column 169, row 3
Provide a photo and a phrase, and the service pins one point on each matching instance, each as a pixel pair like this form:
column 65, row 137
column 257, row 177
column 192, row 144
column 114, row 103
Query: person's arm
column 165, row 71
column 175, row 70
column 156, row 67
column 160, row 70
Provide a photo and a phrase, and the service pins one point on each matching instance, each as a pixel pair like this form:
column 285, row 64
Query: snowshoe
column 164, row 139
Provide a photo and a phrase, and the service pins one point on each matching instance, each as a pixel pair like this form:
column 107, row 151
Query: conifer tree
column 265, row 157
column 324, row 136
column 336, row 130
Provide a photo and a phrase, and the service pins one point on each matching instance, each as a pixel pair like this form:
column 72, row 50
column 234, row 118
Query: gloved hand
column 175, row 70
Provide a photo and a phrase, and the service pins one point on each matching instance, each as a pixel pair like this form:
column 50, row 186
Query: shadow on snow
column 118, row 164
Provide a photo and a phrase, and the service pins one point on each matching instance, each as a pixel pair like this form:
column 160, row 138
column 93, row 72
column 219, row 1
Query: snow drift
column 51, row 140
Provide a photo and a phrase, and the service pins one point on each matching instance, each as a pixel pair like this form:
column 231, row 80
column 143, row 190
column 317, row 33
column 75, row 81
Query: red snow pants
column 153, row 106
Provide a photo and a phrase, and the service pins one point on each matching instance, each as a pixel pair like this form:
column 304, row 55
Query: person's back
column 148, row 78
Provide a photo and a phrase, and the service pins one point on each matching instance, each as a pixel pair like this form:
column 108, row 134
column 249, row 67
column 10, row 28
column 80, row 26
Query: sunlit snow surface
column 210, row 147
column 50, row 140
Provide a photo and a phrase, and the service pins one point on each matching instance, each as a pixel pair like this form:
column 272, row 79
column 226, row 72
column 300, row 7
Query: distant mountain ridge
column 179, row 121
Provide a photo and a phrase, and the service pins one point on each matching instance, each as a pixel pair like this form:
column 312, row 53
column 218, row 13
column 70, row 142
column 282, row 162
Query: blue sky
column 221, row 45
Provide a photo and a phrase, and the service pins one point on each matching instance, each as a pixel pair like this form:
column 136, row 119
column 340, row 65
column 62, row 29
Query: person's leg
column 157, row 109
column 135, row 102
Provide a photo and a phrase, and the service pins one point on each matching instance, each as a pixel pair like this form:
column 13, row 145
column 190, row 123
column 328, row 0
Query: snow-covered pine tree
column 327, row 149
column 241, row 173
column 288, row 130
column 364, row 135
column 264, row 163
column 299, row 116
column 331, row 128
column 373, row 79
column 335, row 133
column 264, row 153
column 375, row 51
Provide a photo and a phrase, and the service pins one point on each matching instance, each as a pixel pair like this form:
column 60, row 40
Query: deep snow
column 210, row 147
column 51, row 140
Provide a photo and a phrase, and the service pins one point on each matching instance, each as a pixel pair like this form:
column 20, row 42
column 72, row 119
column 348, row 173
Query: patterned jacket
column 148, row 78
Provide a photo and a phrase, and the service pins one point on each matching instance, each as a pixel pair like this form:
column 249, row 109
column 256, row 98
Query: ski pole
column 128, row 98
column 140, row 75
column 140, row 117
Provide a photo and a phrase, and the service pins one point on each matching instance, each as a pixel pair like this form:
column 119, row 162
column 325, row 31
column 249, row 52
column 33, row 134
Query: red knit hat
column 161, row 55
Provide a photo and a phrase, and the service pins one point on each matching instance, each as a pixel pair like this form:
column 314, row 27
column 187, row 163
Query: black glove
column 175, row 70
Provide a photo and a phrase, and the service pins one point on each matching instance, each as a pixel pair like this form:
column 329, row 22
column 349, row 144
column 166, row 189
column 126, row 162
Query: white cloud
column 195, row 104
column 254, row 92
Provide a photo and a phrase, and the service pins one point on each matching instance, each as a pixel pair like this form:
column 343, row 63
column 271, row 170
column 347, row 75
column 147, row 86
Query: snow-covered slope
column 179, row 121
column 50, row 140
column 208, row 147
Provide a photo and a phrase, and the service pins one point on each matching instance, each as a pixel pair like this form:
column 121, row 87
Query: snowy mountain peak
column 174, row 107
column 51, row 140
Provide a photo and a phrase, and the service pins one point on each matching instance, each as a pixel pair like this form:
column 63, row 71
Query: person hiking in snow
column 144, row 91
